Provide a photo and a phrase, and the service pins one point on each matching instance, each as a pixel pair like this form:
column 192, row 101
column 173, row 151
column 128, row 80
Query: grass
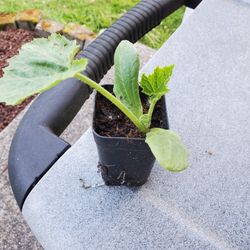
column 94, row 14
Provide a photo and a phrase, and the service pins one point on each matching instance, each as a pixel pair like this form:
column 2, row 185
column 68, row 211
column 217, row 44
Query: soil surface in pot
column 111, row 122
column 10, row 43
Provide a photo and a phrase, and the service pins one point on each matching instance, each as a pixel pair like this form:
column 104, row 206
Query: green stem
column 151, row 108
column 113, row 99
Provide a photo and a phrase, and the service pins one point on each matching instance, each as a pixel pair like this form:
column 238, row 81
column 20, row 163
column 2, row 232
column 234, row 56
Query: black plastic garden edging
column 36, row 145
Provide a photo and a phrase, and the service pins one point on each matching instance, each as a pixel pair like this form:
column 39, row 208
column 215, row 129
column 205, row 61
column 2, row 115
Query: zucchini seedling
column 45, row 62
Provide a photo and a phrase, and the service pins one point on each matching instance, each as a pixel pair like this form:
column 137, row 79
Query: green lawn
column 95, row 14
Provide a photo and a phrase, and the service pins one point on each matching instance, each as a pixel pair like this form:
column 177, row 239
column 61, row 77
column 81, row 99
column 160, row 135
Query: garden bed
column 10, row 43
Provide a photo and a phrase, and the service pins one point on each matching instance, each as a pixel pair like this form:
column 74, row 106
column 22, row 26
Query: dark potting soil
column 111, row 122
column 10, row 43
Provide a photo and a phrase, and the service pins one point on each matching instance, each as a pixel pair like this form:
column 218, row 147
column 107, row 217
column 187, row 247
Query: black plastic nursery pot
column 123, row 160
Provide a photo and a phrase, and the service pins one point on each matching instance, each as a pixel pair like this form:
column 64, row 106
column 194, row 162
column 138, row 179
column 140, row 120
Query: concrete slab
column 102, row 217
column 205, row 207
column 15, row 233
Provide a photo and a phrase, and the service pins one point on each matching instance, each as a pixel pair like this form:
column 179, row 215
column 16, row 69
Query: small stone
column 79, row 33
column 28, row 19
column 46, row 27
column 7, row 21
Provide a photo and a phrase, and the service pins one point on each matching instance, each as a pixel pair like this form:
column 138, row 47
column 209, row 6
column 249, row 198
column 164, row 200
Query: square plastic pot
column 125, row 161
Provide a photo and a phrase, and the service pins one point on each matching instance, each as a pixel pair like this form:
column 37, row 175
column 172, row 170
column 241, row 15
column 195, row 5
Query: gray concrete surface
column 104, row 217
column 14, row 232
column 205, row 207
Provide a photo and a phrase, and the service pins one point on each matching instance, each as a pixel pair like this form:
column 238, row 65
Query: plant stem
column 113, row 99
column 153, row 101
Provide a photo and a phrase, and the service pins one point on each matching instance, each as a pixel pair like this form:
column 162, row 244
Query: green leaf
column 167, row 149
column 155, row 84
column 126, row 87
column 40, row 65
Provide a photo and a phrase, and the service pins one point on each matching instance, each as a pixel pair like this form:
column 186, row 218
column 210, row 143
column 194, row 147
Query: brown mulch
column 10, row 43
